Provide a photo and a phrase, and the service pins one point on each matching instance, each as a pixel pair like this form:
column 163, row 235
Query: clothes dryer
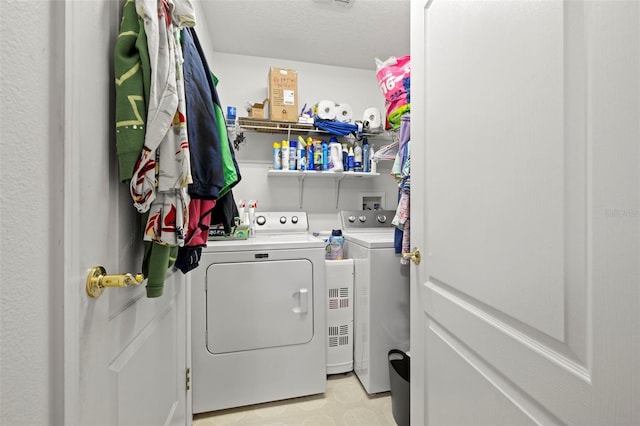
column 258, row 316
column 381, row 290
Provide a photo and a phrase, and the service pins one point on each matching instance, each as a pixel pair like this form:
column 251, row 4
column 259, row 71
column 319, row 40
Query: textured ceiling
column 329, row 32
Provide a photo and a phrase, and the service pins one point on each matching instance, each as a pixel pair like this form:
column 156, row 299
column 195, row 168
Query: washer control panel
column 355, row 219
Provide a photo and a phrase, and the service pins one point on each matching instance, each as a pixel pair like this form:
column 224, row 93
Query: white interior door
column 526, row 205
column 125, row 354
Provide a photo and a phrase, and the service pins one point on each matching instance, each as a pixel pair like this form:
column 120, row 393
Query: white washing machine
column 258, row 316
column 381, row 290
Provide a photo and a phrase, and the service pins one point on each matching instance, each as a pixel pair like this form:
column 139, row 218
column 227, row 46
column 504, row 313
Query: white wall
column 31, row 213
column 243, row 79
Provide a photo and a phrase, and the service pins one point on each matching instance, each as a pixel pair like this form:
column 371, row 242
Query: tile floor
column 345, row 403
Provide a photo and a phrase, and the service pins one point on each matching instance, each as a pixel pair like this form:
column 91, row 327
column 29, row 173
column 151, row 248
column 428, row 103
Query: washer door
column 257, row 305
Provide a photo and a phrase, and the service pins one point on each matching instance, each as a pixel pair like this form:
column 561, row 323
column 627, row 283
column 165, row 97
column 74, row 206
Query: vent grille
column 336, row 341
column 339, row 298
column 339, row 335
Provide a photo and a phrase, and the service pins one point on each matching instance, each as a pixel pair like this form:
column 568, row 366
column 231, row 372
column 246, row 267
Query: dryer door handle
column 304, row 301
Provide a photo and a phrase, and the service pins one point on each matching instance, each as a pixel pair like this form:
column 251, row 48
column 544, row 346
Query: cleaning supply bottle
column 366, row 153
column 345, row 157
column 325, row 156
column 277, row 159
column 302, row 153
column 310, row 155
column 293, row 154
column 357, row 157
column 374, row 164
column 253, row 204
column 350, row 160
column 335, row 157
column 284, row 148
column 317, row 155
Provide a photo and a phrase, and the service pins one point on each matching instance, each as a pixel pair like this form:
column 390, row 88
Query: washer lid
column 374, row 239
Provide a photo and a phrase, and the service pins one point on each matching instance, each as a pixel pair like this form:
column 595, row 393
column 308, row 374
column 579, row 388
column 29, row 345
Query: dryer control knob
column 363, row 218
column 351, row 219
column 261, row 220
column 294, row 219
column 381, row 218
column 283, row 220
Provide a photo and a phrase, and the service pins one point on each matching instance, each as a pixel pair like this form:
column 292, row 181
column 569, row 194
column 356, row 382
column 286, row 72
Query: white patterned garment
column 162, row 173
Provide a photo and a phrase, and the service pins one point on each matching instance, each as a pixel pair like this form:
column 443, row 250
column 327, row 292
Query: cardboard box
column 283, row 95
column 257, row 110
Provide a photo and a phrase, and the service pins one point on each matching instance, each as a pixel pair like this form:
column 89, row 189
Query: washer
column 258, row 316
column 381, row 316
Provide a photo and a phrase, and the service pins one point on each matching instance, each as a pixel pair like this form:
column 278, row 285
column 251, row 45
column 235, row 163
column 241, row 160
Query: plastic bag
column 394, row 80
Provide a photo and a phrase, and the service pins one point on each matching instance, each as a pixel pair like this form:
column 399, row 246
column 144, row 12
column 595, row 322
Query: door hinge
column 187, row 379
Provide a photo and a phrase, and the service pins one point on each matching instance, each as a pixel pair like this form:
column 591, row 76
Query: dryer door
column 256, row 305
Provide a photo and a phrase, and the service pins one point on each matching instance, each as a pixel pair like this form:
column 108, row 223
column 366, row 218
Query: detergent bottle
column 335, row 157
column 334, row 249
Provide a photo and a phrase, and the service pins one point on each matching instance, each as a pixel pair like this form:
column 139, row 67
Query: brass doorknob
column 413, row 255
column 98, row 280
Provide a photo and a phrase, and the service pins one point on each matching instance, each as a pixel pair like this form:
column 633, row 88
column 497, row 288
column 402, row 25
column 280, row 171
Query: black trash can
column 399, row 368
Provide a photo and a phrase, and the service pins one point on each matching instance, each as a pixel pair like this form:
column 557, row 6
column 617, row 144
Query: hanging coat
column 162, row 172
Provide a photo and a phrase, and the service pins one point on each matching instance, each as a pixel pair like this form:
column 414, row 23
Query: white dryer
column 381, row 317
column 258, row 316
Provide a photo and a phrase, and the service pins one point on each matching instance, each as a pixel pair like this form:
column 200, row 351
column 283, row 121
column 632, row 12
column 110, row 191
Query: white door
column 125, row 354
column 526, row 207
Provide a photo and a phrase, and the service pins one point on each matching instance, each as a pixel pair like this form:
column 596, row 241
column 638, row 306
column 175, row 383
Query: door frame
column 418, row 207
column 71, row 216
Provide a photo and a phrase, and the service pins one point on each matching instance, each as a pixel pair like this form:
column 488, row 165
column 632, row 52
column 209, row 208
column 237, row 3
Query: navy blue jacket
column 204, row 141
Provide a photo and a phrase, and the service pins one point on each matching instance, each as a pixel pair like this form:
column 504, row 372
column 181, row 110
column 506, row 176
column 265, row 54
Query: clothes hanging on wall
column 160, row 70
column 163, row 171
column 401, row 172
column 230, row 169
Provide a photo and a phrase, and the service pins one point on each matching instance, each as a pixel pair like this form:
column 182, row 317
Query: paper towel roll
column 372, row 115
column 326, row 110
column 344, row 113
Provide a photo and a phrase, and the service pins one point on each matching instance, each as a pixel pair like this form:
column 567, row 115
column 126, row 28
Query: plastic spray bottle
column 350, row 160
column 366, row 160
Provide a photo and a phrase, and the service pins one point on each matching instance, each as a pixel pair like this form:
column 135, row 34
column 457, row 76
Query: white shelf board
column 320, row 174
